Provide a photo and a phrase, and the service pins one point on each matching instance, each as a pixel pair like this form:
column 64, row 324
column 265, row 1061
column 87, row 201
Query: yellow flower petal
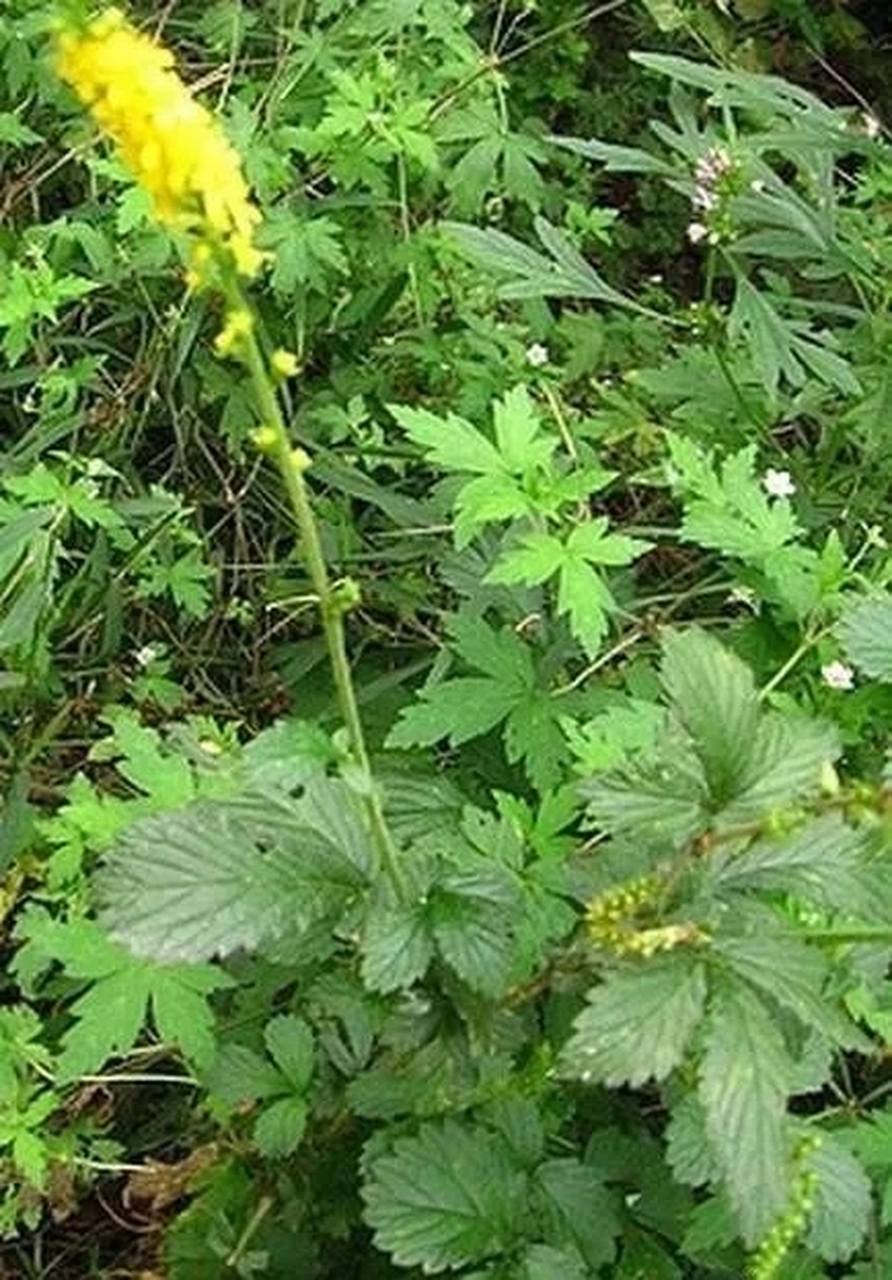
column 172, row 144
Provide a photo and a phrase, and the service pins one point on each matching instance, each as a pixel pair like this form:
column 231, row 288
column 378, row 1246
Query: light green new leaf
column 450, row 442
column 521, row 442
column 447, row 1197
column 865, row 632
column 536, row 558
column 745, row 1075
column 591, row 541
column 842, row 1201
column 637, row 1025
column 488, row 500
column 584, row 597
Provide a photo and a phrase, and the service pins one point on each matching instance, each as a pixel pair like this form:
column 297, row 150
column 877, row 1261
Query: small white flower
column 656, row 278
column 872, row 126
column 778, row 484
column 837, row 675
column 758, row 185
column 146, row 655
column 537, row 355
column 697, row 231
column 745, row 596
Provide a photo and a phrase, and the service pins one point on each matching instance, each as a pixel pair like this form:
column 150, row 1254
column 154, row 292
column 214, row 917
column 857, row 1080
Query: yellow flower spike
column 239, row 324
column 284, row 364
column 172, row 144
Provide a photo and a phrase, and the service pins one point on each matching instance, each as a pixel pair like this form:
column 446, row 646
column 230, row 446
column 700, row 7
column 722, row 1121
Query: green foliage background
column 591, row 308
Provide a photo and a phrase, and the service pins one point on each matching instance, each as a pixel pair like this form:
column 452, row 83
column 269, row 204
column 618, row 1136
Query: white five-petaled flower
column 872, row 126
column 146, row 655
column 778, row 484
column 697, row 231
column 837, row 675
column 537, row 355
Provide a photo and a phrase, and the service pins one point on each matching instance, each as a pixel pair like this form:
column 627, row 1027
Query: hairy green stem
column 333, row 600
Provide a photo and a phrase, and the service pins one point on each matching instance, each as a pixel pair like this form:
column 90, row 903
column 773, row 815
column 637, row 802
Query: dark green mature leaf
column 397, row 946
column 794, row 974
column 445, row 1198
column 218, row 875
column 470, row 918
column 714, row 695
column 687, row 1144
column 788, row 759
column 280, row 1127
column 578, row 1209
column 542, row 1262
column 842, row 1201
column 822, row 863
column 745, row 1076
column 660, row 797
column 865, row 632
column 637, row 1024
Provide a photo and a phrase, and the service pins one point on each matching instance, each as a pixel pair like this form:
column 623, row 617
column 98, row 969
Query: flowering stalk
column 177, row 152
column 334, row 600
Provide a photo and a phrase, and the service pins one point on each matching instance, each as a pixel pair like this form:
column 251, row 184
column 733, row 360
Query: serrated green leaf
column 444, row 1198
column 240, row 1075
column 591, row 541
column 660, row 797
column 793, row 974
column 110, row 1016
column 200, row 881
column 714, row 696
column 473, row 937
column 787, row 762
column 543, row 1262
column 821, row 863
column 397, row 947
column 458, row 710
column 289, row 1042
column 535, row 559
column 745, row 1075
column 843, row 1201
column 865, row 632
column 449, row 442
column 584, row 597
column 519, row 437
column 280, row 1127
column 578, row 1209
column 687, row 1145
column 638, row 1024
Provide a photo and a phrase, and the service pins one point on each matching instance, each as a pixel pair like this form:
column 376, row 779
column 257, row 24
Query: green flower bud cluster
column 770, row 1255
